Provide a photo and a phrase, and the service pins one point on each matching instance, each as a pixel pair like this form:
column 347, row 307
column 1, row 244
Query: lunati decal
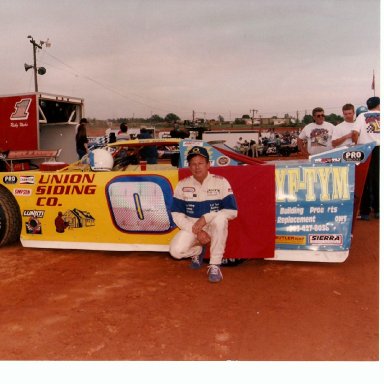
column 33, row 213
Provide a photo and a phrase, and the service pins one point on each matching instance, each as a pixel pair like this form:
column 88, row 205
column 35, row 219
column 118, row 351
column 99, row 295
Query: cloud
column 143, row 57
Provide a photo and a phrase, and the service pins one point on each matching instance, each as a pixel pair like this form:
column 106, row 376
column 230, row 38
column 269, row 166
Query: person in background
column 367, row 129
column 81, row 141
column 244, row 148
column 123, row 132
column 277, row 143
column 239, row 144
column 202, row 206
column 316, row 137
column 254, row 148
column 343, row 132
column 149, row 152
column 180, row 133
column 84, row 121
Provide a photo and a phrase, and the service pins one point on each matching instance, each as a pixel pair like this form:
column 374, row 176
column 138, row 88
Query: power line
column 134, row 97
column 113, row 89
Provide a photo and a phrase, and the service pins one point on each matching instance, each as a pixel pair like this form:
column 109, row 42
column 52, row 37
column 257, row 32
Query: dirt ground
column 83, row 305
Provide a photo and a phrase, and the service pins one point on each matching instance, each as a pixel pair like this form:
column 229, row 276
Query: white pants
column 255, row 153
column 185, row 244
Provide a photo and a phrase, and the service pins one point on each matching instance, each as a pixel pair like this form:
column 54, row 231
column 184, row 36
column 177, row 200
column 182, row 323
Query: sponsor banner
column 314, row 206
column 348, row 154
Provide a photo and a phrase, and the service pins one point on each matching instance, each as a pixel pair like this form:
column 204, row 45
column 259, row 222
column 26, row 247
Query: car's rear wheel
column 10, row 219
column 232, row 262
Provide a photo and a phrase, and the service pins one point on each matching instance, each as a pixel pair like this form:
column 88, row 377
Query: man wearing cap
column 202, row 205
column 367, row 127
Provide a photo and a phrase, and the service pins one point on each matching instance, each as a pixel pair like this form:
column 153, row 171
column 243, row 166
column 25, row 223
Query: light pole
column 40, row 70
column 253, row 115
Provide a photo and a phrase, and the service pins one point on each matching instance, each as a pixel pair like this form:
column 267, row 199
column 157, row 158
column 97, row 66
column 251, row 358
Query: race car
column 111, row 200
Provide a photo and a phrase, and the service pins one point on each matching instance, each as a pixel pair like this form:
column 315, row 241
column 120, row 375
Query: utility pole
column 40, row 70
column 253, row 111
column 373, row 84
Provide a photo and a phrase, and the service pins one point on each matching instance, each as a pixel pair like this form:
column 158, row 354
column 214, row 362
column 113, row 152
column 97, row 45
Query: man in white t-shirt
column 342, row 133
column 367, row 127
column 316, row 137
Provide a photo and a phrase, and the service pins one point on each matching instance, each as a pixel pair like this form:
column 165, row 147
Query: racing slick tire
column 10, row 218
column 227, row 262
column 285, row 151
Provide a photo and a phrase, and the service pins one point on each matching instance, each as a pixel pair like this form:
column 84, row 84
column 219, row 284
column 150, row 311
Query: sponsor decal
column 326, row 239
column 73, row 218
column 193, row 144
column 353, row 156
column 333, row 183
column 213, row 192
column 188, row 189
column 33, row 213
column 286, row 239
column 10, row 179
column 22, row 192
column 21, row 109
column 27, row 179
column 223, row 161
column 33, row 226
column 51, row 187
column 327, row 160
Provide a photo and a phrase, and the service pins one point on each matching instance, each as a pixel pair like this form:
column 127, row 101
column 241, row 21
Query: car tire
column 227, row 262
column 10, row 219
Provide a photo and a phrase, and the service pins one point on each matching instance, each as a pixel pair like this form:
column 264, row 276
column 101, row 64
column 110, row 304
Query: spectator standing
column 81, row 141
column 254, row 148
column 84, row 121
column 316, row 137
column 244, row 148
column 202, row 206
column 367, row 127
column 278, row 143
column 343, row 132
column 149, row 152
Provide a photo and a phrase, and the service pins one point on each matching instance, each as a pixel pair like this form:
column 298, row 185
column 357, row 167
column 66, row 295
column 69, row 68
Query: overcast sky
column 218, row 57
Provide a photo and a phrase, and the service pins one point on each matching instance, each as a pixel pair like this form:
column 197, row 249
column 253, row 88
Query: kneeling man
column 202, row 205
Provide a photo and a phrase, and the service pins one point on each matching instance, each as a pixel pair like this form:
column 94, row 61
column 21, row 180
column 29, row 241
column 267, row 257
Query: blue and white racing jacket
column 192, row 200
